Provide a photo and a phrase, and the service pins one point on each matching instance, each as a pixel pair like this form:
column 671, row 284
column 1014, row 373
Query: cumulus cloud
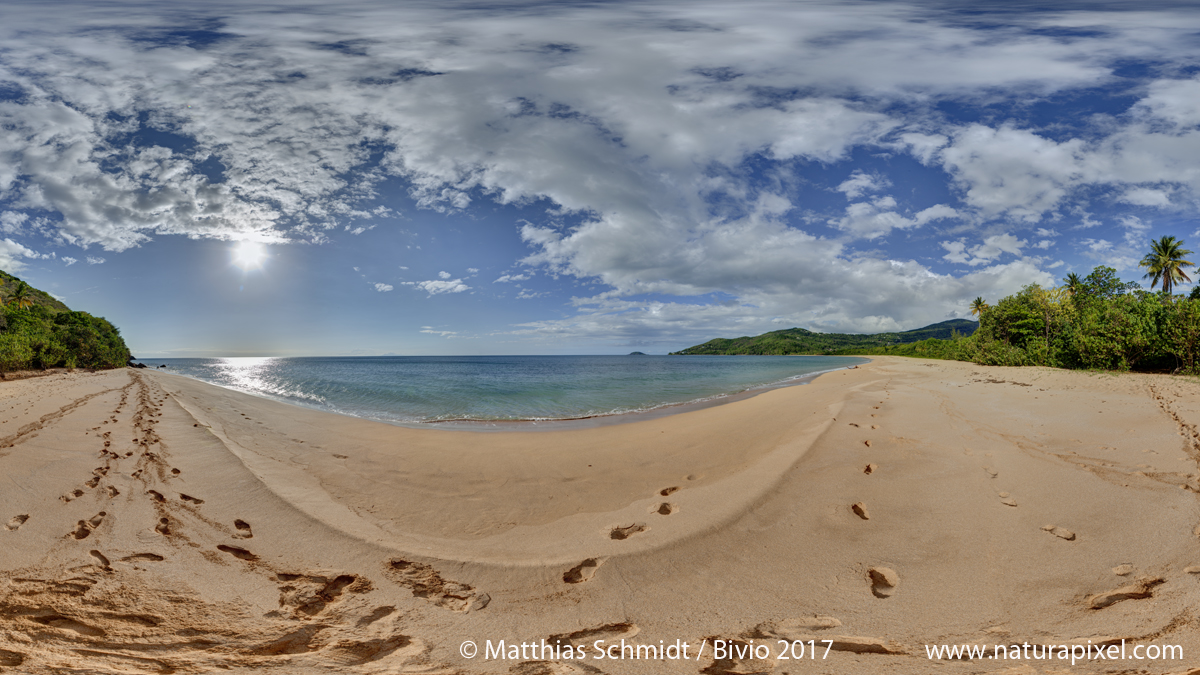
column 69, row 260
column 984, row 253
column 383, row 288
column 879, row 217
column 1145, row 197
column 444, row 275
column 505, row 278
column 11, row 254
column 95, row 260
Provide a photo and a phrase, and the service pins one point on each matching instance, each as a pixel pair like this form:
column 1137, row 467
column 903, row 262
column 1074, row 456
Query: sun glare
column 248, row 255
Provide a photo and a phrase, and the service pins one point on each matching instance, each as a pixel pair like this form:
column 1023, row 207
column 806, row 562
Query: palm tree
column 1165, row 263
column 1074, row 283
column 21, row 296
column 978, row 306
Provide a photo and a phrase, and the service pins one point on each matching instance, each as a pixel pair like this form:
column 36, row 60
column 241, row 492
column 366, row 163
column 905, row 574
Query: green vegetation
column 1097, row 322
column 800, row 341
column 37, row 332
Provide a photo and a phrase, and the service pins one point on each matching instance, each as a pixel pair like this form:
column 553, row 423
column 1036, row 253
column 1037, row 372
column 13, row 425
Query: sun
column 248, row 255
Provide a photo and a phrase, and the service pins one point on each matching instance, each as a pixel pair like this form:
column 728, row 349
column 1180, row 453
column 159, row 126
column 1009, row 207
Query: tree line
column 1094, row 322
column 39, row 334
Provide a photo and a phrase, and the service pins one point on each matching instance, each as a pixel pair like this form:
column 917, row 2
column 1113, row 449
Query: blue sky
column 547, row 178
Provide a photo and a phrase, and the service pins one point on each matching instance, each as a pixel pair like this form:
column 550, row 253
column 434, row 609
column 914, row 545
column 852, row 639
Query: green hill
column 8, row 282
column 49, row 335
column 801, row 341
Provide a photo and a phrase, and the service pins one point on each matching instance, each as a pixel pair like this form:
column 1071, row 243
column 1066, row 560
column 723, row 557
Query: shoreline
column 530, row 424
column 143, row 506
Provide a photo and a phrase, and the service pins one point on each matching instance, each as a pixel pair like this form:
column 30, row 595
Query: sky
column 443, row 178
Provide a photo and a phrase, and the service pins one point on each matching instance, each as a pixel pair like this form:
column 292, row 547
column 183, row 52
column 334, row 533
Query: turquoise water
column 424, row 389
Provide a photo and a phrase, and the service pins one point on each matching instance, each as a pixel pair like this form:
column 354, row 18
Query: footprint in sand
column 93, row 481
column 665, row 509
column 992, row 473
column 1143, row 588
column 95, row 520
column 81, row 531
column 583, row 571
column 1007, row 500
column 240, row 553
column 243, row 529
column 189, row 498
column 425, row 582
column 874, row 426
column 867, row 443
column 141, row 557
column 553, row 668
column 1123, row 570
column 100, row 558
column 860, row 510
column 790, row 629
column 156, row 495
column 74, row 494
column 163, row 527
column 884, row 581
column 11, row 659
column 870, row 468
column 16, row 522
column 112, row 491
column 609, row 632
column 627, row 531
column 1059, row 532
column 667, row 492
column 174, row 472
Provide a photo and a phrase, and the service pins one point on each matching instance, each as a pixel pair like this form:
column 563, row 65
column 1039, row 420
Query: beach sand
column 150, row 523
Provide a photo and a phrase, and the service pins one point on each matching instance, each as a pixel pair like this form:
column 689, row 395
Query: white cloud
column 511, row 277
column 444, row 275
column 95, row 260
column 1044, row 232
column 383, row 288
column 878, row 218
column 1014, row 172
column 69, row 261
column 444, row 333
column 1145, row 197
column 860, row 183
column 439, row 286
column 472, row 270
column 985, row 253
column 956, row 251
column 11, row 221
column 11, row 254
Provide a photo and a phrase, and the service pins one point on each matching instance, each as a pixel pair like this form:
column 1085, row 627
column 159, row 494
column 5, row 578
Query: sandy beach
column 150, row 523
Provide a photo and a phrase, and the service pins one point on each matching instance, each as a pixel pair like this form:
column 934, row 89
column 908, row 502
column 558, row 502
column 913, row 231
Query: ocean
column 420, row 390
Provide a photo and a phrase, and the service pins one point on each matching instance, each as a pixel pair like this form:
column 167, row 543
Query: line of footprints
column 884, row 580
column 587, row 569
